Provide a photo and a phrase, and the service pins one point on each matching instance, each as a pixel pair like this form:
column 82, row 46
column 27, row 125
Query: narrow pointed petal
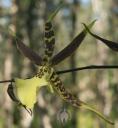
column 70, row 98
column 49, row 40
column 86, row 106
column 67, row 51
column 112, row 45
column 29, row 53
column 49, row 37
column 55, row 12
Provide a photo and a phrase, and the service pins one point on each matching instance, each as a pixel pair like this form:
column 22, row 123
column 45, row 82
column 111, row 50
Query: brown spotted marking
column 56, row 82
column 49, row 41
column 40, row 73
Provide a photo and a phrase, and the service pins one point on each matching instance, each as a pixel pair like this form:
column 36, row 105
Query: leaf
column 112, row 45
column 67, row 51
column 29, row 53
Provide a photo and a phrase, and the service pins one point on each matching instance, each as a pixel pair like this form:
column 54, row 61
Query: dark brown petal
column 112, row 45
column 67, row 51
column 29, row 53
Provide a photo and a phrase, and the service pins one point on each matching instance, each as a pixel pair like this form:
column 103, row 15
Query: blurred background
column 96, row 87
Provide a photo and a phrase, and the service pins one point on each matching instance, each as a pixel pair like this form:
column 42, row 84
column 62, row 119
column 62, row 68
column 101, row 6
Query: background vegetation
column 97, row 87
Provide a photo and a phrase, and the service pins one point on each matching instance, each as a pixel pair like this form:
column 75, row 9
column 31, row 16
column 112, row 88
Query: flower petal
column 29, row 53
column 26, row 90
column 67, row 51
column 112, row 45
